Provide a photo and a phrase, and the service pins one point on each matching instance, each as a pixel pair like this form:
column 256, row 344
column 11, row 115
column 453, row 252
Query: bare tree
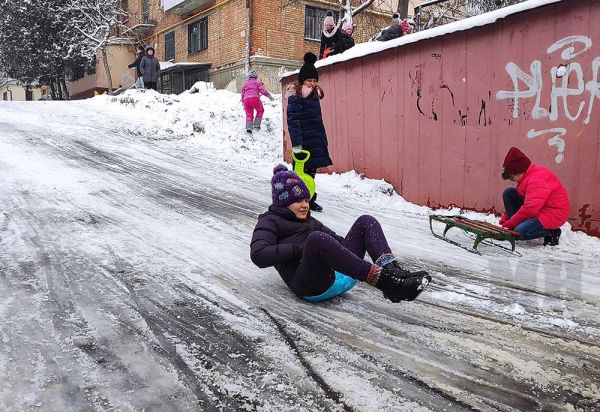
column 373, row 22
column 98, row 22
column 438, row 12
column 348, row 8
column 38, row 43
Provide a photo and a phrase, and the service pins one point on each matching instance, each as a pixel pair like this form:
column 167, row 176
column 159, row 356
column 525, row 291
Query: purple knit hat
column 287, row 187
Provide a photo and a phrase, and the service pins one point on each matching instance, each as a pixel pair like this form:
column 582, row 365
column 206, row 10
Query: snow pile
column 515, row 309
column 215, row 120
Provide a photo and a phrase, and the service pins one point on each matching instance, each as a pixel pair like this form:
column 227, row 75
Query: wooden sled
column 483, row 232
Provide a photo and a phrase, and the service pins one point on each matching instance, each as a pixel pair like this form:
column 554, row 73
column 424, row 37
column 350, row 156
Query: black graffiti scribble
column 463, row 118
column 482, row 112
column 419, row 102
column 445, row 86
column 386, row 88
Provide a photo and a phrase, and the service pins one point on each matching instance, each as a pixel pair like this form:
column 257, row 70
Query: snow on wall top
column 367, row 48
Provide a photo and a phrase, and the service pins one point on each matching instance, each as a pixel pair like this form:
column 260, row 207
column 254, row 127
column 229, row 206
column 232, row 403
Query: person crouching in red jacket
column 539, row 205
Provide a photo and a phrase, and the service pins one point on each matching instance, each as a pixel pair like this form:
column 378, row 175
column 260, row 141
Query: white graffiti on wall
column 557, row 140
column 571, row 47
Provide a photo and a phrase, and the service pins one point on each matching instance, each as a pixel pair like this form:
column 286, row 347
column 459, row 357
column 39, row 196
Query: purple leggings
column 323, row 255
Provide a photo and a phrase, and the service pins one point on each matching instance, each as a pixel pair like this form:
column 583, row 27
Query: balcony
column 183, row 7
column 140, row 30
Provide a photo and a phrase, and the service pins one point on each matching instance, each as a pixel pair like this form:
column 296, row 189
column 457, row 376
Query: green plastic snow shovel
column 299, row 170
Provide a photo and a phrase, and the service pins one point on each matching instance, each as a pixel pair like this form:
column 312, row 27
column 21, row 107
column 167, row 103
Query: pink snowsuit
column 251, row 92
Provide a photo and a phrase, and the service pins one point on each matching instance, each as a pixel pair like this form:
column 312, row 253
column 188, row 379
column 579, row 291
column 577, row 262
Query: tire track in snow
column 180, row 193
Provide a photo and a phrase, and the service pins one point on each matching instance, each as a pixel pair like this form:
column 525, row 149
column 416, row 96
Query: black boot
column 399, row 284
column 552, row 238
column 313, row 205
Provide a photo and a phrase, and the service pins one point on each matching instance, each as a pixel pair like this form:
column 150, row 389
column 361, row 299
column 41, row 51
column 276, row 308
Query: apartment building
column 219, row 40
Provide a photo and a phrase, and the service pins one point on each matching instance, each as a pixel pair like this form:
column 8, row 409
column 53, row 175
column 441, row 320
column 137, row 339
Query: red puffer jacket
column 544, row 197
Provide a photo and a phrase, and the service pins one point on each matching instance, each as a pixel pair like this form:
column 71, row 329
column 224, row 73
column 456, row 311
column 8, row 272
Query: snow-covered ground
column 126, row 283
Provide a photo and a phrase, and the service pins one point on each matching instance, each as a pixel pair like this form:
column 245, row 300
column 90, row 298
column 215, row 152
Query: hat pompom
column 329, row 13
column 310, row 58
column 279, row 168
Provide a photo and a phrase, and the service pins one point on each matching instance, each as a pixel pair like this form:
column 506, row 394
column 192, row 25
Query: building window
column 313, row 22
column 146, row 12
column 5, row 95
column 170, row 46
column 198, row 36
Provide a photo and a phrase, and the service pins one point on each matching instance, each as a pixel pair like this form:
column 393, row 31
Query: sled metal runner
column 484, row 232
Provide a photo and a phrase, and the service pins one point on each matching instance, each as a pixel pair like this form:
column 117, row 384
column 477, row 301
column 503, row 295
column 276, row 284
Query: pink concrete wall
column 435, row 118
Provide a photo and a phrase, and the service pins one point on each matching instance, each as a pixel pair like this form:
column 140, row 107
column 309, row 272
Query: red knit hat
column 515, row 162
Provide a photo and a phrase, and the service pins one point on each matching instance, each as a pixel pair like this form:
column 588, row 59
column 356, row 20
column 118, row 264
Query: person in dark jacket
column 305, row 121
column 330, row 35
column 138, row 60
column 307, row 254
column 345, row 41
column 398, row 28
column 150, row 69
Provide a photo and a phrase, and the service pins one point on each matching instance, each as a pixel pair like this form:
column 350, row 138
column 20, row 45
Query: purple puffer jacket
column 253, row 88
column 278, row 240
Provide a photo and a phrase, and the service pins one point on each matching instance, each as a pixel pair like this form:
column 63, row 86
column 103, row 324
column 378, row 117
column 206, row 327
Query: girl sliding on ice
column 315, row 262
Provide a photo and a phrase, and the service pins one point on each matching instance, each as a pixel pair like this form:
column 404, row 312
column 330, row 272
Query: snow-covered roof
column 5, row 81
column 172, row 66
column 367, row 48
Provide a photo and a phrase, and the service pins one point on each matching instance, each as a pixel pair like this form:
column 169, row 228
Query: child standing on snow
column 330, row 35
column 305, row 121
column 307, row 254
column 251, row 92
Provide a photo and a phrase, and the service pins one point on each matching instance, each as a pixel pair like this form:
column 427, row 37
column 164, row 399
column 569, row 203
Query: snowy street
column 126, row 282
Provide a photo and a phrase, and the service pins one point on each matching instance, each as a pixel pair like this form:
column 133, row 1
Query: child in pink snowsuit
column 251, row 92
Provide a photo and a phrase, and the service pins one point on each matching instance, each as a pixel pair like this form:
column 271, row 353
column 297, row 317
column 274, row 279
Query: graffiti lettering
column 593, row 87
column 569, row 52
column 556, row 140
column 570, row 73
column 533, row 82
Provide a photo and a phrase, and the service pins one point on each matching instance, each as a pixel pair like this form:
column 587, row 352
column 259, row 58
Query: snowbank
column 213, row 118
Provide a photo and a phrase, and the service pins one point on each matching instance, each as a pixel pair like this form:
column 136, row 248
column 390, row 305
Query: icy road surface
column 126, row 284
